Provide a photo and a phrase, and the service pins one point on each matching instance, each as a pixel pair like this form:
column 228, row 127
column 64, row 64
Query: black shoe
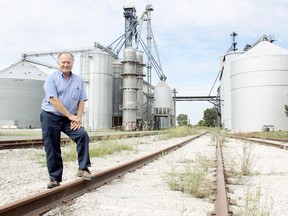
column 52, row 184
column 85, row 174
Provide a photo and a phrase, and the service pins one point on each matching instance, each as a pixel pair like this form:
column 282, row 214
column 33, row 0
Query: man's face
column 65, row 63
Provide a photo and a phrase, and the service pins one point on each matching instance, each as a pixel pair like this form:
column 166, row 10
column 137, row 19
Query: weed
column 193, row 179
column 240, row 165
column 247, row 159
column 253, row 204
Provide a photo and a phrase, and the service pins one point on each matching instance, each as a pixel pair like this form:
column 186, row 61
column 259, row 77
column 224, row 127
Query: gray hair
column 65, row 52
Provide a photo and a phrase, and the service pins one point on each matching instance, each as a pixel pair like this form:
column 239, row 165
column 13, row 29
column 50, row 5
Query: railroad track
column 271, row 139
column 37, row 143
column 39, row 203
column 278, row 143
column 222, row 201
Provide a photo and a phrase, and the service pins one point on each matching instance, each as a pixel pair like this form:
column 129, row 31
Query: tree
column 182, row 119
column 210, row 116
column 286, row 110
column 202, row 123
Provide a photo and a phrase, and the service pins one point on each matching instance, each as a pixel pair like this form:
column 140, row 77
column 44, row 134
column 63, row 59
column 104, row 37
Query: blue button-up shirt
column 69, row 92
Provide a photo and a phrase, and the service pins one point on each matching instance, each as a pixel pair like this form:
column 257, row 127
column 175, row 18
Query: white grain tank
column 97, row 72
column 21, row 90
column 163, row 105
column 225, row 88
column 259, row 89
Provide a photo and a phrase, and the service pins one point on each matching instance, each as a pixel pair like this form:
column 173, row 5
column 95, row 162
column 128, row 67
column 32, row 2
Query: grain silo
column 163, row 105
column 117, row 94
column 97, row 72
column 259, row 89
column 225, row 88
column 130, row 88
column 21, row 89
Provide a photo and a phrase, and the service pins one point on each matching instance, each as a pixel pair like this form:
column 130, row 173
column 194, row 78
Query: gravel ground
column 266, row 186
column 145, row 191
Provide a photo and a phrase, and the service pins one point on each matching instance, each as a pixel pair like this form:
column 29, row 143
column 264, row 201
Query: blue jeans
column 52, row 126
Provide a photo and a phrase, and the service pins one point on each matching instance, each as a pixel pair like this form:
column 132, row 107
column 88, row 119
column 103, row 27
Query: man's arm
column 58, row 105
column 76, row 121
column 80, row 109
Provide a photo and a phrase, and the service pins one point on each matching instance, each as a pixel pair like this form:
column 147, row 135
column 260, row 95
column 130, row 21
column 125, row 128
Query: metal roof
column 23, row 70
column 265, row 48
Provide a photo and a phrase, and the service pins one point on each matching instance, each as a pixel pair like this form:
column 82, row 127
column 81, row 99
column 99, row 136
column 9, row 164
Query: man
column 62, row 110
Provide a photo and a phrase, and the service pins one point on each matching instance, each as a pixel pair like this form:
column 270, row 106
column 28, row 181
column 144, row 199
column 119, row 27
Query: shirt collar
column 62, row 74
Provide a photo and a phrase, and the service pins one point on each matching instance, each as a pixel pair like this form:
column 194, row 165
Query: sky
column 191, row 36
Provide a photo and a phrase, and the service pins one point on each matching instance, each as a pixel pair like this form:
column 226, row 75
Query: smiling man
column 62, row 110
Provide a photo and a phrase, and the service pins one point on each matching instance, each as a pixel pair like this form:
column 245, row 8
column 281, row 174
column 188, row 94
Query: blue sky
column 191, row 35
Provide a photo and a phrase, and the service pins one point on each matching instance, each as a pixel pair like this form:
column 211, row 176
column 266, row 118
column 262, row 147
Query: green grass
column 178, row 132
column 109, row 147
column 272, row 134
column 100, row 149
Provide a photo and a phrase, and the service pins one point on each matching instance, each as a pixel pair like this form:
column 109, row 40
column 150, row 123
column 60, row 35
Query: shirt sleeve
column 83, row 95
column 50, row 88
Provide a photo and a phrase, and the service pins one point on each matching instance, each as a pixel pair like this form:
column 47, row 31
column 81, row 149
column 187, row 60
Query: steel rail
column 37, row 143
column 271, row 139
column 260, row 141
column 221, row 204
column 263, row 137
column 15, row 144
column 44, row 201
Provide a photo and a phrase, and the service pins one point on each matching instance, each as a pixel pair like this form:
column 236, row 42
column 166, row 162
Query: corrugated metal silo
column 97, row 72
column 117, row 94
column 21, row 89
column 225, row 88
column 163, row 104
column 259, row 88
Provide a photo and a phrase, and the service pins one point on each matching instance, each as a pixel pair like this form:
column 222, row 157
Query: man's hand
column 76, row 122
column 75, row 125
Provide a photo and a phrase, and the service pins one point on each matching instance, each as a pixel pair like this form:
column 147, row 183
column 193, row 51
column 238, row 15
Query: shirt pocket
column 76, row 94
